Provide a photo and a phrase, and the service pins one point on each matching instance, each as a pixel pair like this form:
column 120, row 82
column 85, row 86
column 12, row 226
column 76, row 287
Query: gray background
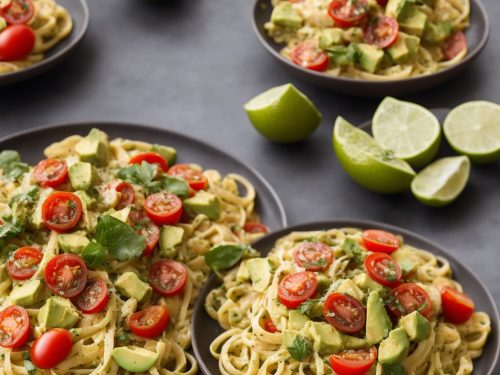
column 189, row 65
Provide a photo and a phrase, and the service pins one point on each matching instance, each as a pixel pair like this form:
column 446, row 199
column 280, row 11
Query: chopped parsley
column 307, row 307
column 300, row 349
column 351, row 248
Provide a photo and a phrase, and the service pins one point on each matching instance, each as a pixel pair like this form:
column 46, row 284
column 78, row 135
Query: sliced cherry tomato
column 94, row 297
column 313, row 256
column 51, row 172
column 457, row 306
column 309, row 56
column 382, row 31
column 254, row 227
column 150, row 322
column 168, row 277
column 353, row 362
column 195, row 178
column 380, row 241
column 383, row 269
column 455, row 44
column 151, row 158
column 61, row 211
column 51, row 348
column 146, row 228
column 16, row 42
column 382, row 2
column 14, row 327
column 127, row 194
column 408, row 298
column 66, row 275
column 269, row 326
column 18, row 12
column 297, row 288
column 163, row 208
column 344, row 312
column 24, row 262
column 348, row 13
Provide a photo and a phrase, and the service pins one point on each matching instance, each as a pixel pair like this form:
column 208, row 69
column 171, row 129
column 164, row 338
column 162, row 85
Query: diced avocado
column 330, row 37
column 370, row 57
column 413, row 21
column 395, row 8
column 396, row 369
column 260, row 273
column 35, row 220
column 3, row 23
column 87, row 219
column 169, row 153
column 134, row 359
column 437, row 32
column 289, row 335
column 394, row 349
column 352, row 343
column 72, row 242
column 378, row 324
column 416, row 326
column 93, row 148
column 285, row 16
column 242, row 274
column 86, row 199
column 82, row 175
column 170, row 237
column 203, row 203
column 129, row 285
column 122, row 214
column 57, row 312
column 297, row 320
column 326, row 339
column 324, row 283
column 26, row 294
column 399, row 51
column 413, row 44
column 348, row 286
column 353, row 35
column 365, row 282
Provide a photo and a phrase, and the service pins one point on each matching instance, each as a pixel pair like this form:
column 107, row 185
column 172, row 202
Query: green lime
column 410, row 130
column 283, row 114
column 367, row 163
column 442, row 182
column 473, row 129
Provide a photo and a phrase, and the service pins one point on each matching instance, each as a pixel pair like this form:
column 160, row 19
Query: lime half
column 283, row 114
column 410, row 130
column 367, row 163
column 442, row 182
column 473, row 129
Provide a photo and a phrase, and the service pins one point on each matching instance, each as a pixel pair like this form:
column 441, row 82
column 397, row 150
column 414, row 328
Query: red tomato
column 344, row 312
column 410, row 297
column 382, row 2
column 16, row 42
column 383, row 269
column 18, row 12
column 146, row 228
column 254, row 227
column 127, row 194
column 353, row 362
column 150, row 322
column 383, row 31
column 348, row 13
column 380, row 241
column 309, row 56
column 269, row 326
column 163, row 208
column 313, row 256
column 454, row 45
column 61, row 211
column 51, row 348
column 457, row 306
column 51, row 172
column 194, row 178
column 168, row 277
column 66, row 275
column 23, row 262
column 151, row 158
column 297, row 288
column 14, row 327
column 94, row 297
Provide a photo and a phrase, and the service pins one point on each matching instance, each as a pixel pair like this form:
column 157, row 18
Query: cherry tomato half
column 269, row 326
column 163, row 208
column 313, row 256
column 193, row 177
column 66, row 275
column 353, row 362
column 51, row 348
column 297, row 288
column 455, row 44
column 18, row 12
column 457, row 306
column 150, row 322
column 382, row 31
column 254, row 227
column 51, row 172
column 168, row 277
column 348, row 13
column 151, row 158
column 61, row 211
column 344, row 312
column 382, row 2
column 146, row 228
column 94, row 297
column 410, row 297
column 127, row 194
column 309, row 56
column 380, row 241
column 24, row 262
column 16, row 42
column 383, row 269
column 14, row 327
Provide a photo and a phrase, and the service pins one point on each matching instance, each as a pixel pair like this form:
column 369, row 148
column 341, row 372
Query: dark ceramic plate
column 477, row 36
column 205, row 330
column 79, row 12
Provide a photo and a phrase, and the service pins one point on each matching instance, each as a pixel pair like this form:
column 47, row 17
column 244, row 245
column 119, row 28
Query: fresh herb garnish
column 422, row 307
column 10, row 162
column 223, row 257
column 28, row 365
column 300, row 349
column 94, row 254
column 307, row 306
column 351, row 248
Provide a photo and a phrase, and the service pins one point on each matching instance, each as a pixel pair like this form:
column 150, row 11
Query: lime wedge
column 442, row 182
column 283, row 114
column 410, row 130
column 367, row 163
column 473, row 129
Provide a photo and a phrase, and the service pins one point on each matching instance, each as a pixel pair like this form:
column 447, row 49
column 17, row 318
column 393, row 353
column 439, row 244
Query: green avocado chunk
column 93, row 148
column 347, row 286
column 57, row 312
column 203, row 203
column 170, row 237
column 326, row 339
column 169, row 153
column 35, row 220
column 285, row 16
column 297, row 320
column 378, row 324
column 395, row 8
column 366, row 283
column 437, row 32
column 82, row 175
column 353, row 343
column 288, row 337
column 260, row 273
column 26, row 294
column 122, row 214
column 405, row 48
column 330, row 37
column 72, row 242
column 242, row 275
column 134, row 359
column 413, row 21
column 394, row 349
column 370, row 57
column 324, row 283
column 129, row 285
column 396, row 369
column 416, row 326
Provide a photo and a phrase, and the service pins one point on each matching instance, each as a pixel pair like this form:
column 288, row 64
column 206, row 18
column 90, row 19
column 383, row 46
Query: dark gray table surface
column 191, row 65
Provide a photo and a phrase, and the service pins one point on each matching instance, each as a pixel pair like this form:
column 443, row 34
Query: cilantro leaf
column 307, row 307
column 10, row 162
column 94, row 254
column 139, row 174
column 300, row 349
column 223, row 257
column 28, row 365
column 354, row 251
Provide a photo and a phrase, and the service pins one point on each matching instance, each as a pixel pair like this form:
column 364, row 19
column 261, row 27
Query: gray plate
column 79, row 11
column 205, row 329
column 477, row 36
